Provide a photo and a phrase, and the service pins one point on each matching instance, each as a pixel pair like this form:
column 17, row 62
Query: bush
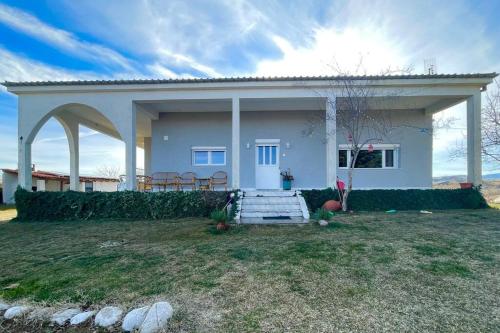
column 218, row 216
column 70, row 205
column 381, row 200
column 322, row 214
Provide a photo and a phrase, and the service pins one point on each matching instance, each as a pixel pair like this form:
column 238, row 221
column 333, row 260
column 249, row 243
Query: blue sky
column 113, row 39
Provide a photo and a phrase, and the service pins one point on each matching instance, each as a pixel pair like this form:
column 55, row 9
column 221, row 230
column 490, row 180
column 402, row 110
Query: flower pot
column 287, row 184
column 222, row 226
column 464, row 186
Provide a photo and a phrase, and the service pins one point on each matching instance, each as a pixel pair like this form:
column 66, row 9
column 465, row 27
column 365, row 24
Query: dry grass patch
column 364, row 272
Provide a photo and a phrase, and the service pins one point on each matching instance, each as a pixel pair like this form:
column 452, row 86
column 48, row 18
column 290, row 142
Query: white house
column 51, row 181
column 252, row 127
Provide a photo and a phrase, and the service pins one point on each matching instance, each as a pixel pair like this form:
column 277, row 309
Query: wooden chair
column 159, row 180
column 187, row 179
column 147, row 184
column 219, row 178
column 172, row 179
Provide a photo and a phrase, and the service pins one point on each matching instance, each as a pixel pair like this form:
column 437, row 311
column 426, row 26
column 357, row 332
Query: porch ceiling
column 433, row 103
column 224, row 105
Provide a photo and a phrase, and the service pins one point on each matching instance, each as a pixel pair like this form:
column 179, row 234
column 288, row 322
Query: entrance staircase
column 272, row 207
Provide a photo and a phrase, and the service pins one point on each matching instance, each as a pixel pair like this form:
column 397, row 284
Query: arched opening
column 81, row 135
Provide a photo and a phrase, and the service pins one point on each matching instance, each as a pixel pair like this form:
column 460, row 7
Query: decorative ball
column 332, row 205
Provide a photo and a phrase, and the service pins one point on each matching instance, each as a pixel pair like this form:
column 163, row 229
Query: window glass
column 261, row 155
column 389, row 158
column 218, row 157
column 89, row 186
column 273, row 155
column 367, row 159
column 266, row 150
column 201, row 157
column 343, row 158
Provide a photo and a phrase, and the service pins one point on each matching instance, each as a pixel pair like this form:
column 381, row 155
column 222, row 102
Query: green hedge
column 56, row 206
column 377, row 200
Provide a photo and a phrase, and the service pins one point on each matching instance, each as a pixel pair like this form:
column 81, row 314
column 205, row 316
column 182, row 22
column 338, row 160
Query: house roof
column 247, row 79
column 46, row 175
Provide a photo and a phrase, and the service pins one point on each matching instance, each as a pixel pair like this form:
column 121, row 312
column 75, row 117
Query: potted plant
column 465, row 185
column 287, row 179
column 219, row 216
column 323, row 216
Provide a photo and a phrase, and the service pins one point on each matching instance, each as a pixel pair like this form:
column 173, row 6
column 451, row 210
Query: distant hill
column 462, row 178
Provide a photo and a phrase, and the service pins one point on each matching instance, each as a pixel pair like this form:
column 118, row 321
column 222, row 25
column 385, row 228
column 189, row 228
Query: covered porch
column 237, row 113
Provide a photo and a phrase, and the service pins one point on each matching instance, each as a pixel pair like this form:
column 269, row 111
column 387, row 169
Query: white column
column 130, row 150
column 24, row 164
column 74, row 155
column 236, row 143
column 331, row 143
column 71, row 128
column 474, row 172
column 147, row 156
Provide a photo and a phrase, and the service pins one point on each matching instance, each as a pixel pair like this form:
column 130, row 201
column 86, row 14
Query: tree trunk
column 348, row 190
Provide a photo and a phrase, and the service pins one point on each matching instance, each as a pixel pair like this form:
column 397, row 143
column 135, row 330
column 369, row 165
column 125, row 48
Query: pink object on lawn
column 340, row 185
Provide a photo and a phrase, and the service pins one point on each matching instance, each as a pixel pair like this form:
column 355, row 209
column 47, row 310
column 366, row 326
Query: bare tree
column 108, row 171
column 359, row 114
column 358, row 118
column 490, row 128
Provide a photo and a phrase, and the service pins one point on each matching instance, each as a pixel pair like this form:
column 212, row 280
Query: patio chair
column 187, row 179
column 159, row 180
column 219, row 178
column 147, row 185
column 172, row 179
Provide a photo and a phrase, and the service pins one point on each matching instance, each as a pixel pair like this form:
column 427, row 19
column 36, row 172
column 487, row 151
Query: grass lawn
column 7, row 212
column 364, row 272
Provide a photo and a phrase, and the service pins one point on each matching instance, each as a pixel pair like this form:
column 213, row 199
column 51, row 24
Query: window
column 267, row 154
column 89, row 186
column 383, row 156
column 203, row 156
column 342, row 158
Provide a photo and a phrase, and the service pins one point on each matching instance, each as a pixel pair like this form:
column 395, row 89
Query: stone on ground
column 134, row 319
column 4, row 306
column 41, row 314
column 16, row 311
column 61, row 317
column 108, row 316
column 81, row 318
column 323, row 223
column 157, row 318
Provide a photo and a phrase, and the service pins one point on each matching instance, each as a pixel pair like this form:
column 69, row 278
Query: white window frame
column 380, row 146
column 209, row 150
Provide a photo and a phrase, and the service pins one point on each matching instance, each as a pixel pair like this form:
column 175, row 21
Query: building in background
column 51, row 181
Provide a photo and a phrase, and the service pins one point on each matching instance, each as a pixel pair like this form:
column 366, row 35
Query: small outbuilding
column 52, row 181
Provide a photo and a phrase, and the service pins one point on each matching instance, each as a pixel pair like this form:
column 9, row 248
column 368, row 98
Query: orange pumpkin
column 332, row 205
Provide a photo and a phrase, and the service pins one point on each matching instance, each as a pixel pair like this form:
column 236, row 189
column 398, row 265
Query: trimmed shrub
column 381, row 200
column 70, row 205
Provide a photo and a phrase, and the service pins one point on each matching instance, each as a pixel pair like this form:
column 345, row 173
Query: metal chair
column 219, row 178
column 187, row 179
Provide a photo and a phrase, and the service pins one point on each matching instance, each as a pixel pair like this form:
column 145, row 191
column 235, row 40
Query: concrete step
column 258, row 220
column 270, row 200
column 293, row 213
column 269, row 193
column 266, row 207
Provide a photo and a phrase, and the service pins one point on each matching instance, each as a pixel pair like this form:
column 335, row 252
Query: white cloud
column 60, row 39
column 330, row 47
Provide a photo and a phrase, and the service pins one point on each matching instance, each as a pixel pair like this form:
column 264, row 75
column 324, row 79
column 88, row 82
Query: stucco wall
column 415, row 154
column 306, row 155
column 305, row 158
column 9, row 183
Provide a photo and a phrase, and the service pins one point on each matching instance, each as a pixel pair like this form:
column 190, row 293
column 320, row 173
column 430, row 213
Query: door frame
column 267, row 142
